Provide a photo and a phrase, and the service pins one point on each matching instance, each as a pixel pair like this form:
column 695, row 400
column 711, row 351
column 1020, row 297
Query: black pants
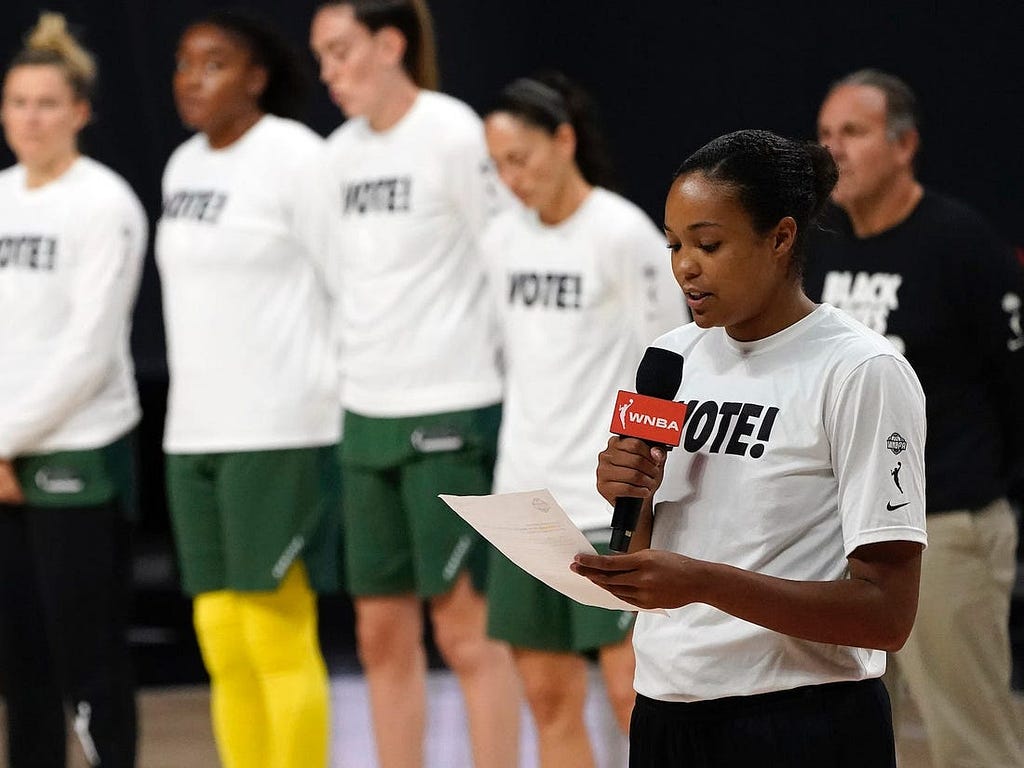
column 838, row 725
column 63, row 612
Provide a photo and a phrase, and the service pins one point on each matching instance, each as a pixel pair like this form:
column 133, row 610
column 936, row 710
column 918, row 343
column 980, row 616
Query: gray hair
column 901, row 113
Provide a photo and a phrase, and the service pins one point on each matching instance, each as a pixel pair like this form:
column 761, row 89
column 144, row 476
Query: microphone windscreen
column 660, row 373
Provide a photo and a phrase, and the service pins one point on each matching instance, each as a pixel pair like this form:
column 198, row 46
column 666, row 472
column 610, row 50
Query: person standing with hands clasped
column 411, row 189
column 567, row 350
column 253, row 414
column 72, row 242
column 776, row 536
column 929, row 273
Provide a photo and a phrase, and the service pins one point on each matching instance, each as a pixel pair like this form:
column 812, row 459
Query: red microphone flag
column 648, row 418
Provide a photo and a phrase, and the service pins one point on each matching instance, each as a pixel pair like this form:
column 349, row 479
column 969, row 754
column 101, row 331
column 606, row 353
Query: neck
column 394, row 105
column 789, row 306
column 51, row 170
column 887, row 209
column 232, row 130
column 568, row 199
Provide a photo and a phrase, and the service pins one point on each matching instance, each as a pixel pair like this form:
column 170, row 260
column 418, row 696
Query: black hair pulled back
column 550, row 99
column 773, row 177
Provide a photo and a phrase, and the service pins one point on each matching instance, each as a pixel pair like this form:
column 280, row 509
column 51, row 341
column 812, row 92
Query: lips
column 696, row 299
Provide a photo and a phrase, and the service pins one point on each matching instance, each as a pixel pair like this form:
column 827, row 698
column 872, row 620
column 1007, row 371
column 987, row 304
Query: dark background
column 667, row 77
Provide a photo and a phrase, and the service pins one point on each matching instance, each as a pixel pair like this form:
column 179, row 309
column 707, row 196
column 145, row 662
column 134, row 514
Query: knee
column 385, row 640
column 462, row 648
column 218, row 626
column 554, row 701
column 280, row 630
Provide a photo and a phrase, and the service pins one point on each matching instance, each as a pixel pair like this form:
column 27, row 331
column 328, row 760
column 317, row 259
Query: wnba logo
column 648, row 418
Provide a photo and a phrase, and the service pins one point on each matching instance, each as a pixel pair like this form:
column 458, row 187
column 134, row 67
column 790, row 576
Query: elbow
column 893, row 633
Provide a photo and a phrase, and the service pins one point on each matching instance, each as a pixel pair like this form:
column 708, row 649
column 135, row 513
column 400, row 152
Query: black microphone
column 658, row 377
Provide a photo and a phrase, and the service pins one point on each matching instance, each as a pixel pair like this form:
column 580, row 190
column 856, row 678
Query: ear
column 82, row 111
column 565, row 141
column 256, row 82
column 391, row 44
column 783, row 239
column 907, row 145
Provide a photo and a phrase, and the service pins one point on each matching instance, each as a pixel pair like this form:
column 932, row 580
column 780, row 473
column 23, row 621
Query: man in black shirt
column 928, row 273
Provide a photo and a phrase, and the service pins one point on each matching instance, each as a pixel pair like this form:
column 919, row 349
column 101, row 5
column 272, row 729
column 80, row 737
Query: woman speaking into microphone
column 784, row 536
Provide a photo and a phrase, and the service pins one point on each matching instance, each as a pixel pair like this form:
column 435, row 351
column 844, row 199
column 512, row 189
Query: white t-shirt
column 246, row 303
column 579, row 301
column 797, row 449
column 71, row 255
column 415, row 321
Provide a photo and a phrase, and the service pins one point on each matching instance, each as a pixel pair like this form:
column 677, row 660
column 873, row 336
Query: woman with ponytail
column 72, row 240
column 411, row 189
column 253, row 416
column 783, row 537
column 582, row 285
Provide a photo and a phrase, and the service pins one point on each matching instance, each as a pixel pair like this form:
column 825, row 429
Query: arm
column 10, row 490
column 476, row 192
column 109, row 257
column 873, row 608
column 652, row 298
column 995, row 305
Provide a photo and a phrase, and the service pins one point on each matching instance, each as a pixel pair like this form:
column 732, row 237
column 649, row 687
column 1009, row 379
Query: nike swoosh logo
column 889, row 505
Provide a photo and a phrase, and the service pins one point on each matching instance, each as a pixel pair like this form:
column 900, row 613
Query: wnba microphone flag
column 648, row 418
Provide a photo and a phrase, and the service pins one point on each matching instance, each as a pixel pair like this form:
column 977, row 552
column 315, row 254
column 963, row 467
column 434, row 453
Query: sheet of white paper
column 533, row 531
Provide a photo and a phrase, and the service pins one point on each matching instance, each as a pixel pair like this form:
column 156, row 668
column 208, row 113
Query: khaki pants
column 956, row 663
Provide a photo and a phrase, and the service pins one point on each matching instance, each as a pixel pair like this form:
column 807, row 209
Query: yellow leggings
column 268, row 681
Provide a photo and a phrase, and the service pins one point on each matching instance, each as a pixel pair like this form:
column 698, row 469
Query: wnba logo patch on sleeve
column 896, row 443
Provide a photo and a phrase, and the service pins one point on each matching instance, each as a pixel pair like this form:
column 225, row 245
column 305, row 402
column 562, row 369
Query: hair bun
column 826, row 173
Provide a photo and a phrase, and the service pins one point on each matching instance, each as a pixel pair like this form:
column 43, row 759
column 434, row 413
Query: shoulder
column 285, row 133
column 845, row 346
column 10, row 178
column 287, row 145
column 955, row 229
column 438, row 106
column 193, row 147
column 101, row 187
column 683, row 339
column 448, row 121
column 947, row 219
column 347, row 136
column 506, row 226
column 619, row 218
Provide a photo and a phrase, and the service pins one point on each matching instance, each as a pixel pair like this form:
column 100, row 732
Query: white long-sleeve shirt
column 579, row 303
column 71, row 255
column 246, row 298
column 416, row 321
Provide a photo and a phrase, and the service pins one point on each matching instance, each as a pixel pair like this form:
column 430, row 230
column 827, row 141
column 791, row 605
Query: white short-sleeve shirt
column 797, row 449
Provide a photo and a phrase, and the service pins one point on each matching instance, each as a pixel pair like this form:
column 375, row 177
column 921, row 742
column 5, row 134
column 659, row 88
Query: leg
column 555, row 684
column 83, row 573
column 236, row 701
column 35, row 708
column 280, row 634
column 957, row 659
column 389, row 638
column 485, row 672
column 618, row 666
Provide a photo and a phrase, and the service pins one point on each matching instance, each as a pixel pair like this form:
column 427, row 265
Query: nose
column 510, row 177
column 327, row 70
column 187, row 79
column 685, row 266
